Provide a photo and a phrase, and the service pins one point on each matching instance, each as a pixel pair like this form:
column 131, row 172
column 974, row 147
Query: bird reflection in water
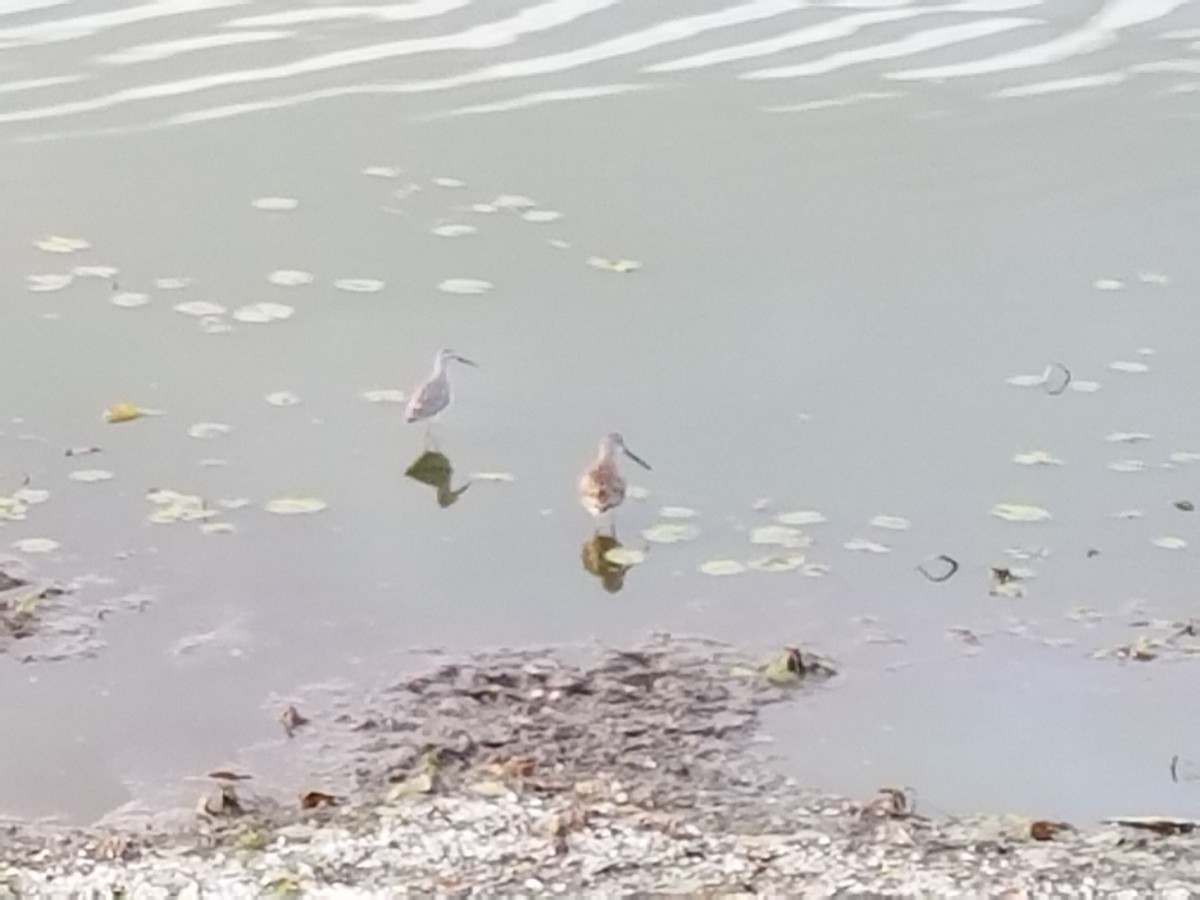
column 435, row 469
column 595, row 560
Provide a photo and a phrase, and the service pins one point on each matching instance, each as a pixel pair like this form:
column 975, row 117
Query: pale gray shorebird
column 601, row 487
column 433, row 395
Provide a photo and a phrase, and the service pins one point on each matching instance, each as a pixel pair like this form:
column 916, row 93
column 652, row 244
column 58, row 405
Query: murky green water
column 828, row 306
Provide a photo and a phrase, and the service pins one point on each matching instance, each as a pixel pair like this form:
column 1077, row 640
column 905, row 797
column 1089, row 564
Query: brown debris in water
column 291, row 719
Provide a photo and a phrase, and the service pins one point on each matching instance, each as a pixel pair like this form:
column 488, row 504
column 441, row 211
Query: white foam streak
column 918, row 42
column 833, row 30
column 399, row 12
column 541, row 98
column 30, row 84
column 542, row 17
column 1062, row 84
column 83, row 26
column 833, row 102
column 150, row 52
column 1097, row 33
column 19, row 6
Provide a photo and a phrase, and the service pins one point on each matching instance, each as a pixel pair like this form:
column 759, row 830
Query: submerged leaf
column 282, row 398
column 384, row 395
column 208, row 430
column 1128, row 465
column 1128, row 437
column 171, row 284
column 541, row 215
column 290, row 506
column 722, row 567
column 58, row 244
column 494, row 476
column 1037, row 458
column 90, row 475
column 382, row 171
column 129, row 300
column 452, row 231
column 895, row 523
column 777, row 563
column 1108, row 284
column 40, row 284
column 359, row 285
column 200, row 308
column 862, row 546
column 783, row 535
column 677, row 512
column 1130, row 368
column 1085, row 387
column 670, row 533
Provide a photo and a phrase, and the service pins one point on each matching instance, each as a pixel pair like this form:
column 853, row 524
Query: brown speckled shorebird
column 601, row 487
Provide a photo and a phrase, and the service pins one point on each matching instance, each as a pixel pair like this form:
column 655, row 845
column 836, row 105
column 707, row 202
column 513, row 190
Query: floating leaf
column 290, row 277
column 359, row 285
column 558, row 244
column 31, row 496
column 484, row 208
column 722, row 567
column 291, row 506
column 677, row 512
column 1108, row 284
column 421, row 783
column 1128, row 465
column 1184, row 456
column 1129, row 514
column 233, row 503
column 89, row 476
column 172, row 284
column 317, row 799
column 1085, row 387
column 173, row 506
column 129, row 299
column 1016, row 512
column 206, row 431
column 214, row 325
column 59, row 244
column 36, row 545
column 613, row 265
column 262, row 313
column 1130, row 368
column 1153, row 278
column 493, row 476
column 282, row 398
column 1037, row 458
column 777, row 563
column 513, row 201
column 465, row 286
column 783, row 535
column 1170, row 543
column 121, row 412
column 382, row 171
column 217, row 528
column 275, row 204
column 40, row 284
column 861, row 546
column 670, row 533
column 449, row 183
column 199, row 308
column 895, row 523
column 384, row 395
column 1145, row 351
column 801, row 517
column 541, row 215
column 452, row 231
column 624, row 556
column 106, row 272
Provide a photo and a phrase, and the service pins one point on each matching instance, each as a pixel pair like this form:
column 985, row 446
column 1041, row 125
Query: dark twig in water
column 1175, row 768
column 953, row 563
column 1064, row 385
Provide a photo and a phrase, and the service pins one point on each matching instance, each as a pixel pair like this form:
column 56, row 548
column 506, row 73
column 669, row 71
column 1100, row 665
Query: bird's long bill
column 463, row 359
column 637, row 459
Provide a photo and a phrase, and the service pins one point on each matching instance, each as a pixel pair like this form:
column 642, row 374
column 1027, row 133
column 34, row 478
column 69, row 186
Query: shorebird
column 601, row 487
column 433, row 394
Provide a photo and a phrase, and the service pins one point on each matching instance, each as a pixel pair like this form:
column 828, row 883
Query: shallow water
column 829, row 303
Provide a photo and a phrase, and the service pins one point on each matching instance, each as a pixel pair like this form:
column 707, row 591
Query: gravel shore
column 632, row 773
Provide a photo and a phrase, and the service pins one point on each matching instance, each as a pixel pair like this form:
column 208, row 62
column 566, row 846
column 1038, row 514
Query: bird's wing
column 427, row 400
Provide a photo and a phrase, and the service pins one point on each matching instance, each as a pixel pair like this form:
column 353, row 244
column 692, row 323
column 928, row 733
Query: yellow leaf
column 121, row 412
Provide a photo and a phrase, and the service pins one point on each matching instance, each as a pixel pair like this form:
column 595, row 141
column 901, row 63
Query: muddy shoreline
column 524, row 772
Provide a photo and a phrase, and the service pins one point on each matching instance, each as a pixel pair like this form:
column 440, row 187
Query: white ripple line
column 54, row 30
column 1061, row 84
column 400, row 12
column 542, row 17
column 540, row 98
column 140, row 53
column 1098, row 32
column 917, row 42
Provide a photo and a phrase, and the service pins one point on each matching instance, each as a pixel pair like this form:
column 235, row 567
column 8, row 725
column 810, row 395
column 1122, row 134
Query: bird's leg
column 431, row 442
